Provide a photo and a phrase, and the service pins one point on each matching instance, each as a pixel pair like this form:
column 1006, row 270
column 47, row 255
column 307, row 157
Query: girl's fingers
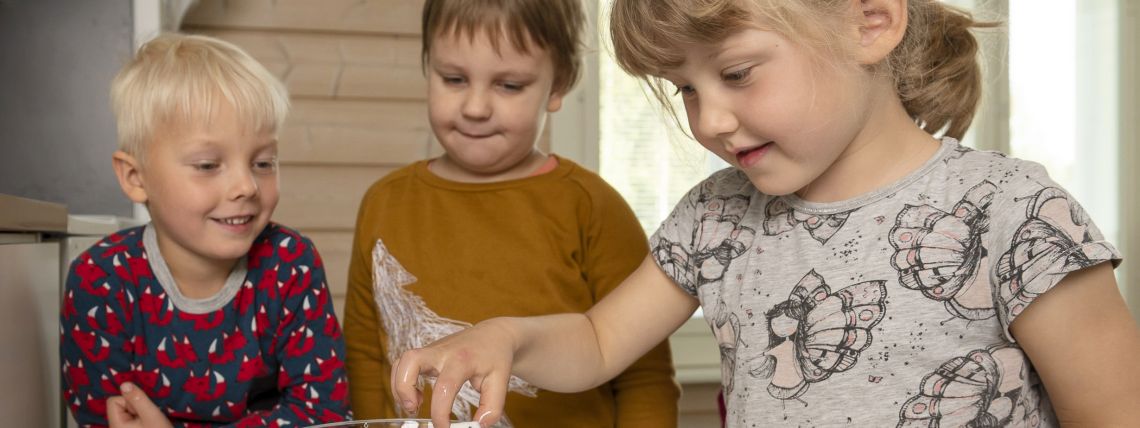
column 454, row 361
column 492, row 395
column 442, row 395
column 405, row 379
column 392, row 386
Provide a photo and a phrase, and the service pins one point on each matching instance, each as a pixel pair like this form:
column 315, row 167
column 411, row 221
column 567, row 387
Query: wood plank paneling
column 355, row 133
column 396, row 82
column 364, row 16
column 335, row 249
column 337, row 66
column 330, row 145
column 360, row 114
column 313, row 80
column 398, row 51
column 323, row 198
column 338, row 307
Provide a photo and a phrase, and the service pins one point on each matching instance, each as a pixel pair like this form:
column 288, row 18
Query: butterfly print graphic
column 817, row 332
column 718, row 239
column 940, row 253
column 781, row 217
column 959, row 152
column 726, row 329
column 986, row 388
column 1046, row 245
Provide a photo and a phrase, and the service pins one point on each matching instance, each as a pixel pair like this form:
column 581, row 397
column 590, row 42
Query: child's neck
column 195, row 277
column 197, row 284
column 445, row 167
column 888, row 148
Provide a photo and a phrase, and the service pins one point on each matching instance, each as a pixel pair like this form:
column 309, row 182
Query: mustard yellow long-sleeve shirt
column 546, row 244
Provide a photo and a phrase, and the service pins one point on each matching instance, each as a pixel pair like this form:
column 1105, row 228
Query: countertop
column 28, row 215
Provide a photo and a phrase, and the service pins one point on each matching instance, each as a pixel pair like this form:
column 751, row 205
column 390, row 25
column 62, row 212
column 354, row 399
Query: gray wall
column 57, row 133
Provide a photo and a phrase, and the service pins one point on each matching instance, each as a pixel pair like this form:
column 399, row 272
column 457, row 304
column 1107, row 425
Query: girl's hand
column 134, row 409
column 482, row 354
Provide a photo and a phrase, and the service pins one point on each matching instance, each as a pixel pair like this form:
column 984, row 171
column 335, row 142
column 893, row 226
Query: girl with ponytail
column 857, row 266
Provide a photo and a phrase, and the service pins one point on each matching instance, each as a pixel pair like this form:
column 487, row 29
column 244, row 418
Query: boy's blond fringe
column 178, row 79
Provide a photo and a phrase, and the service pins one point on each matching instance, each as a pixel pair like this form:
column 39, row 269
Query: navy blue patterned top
column 265, row 351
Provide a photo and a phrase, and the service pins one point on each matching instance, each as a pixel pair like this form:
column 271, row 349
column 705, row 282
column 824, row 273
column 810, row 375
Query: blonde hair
column 178, row 78
column 935, row 67
column 553, row 25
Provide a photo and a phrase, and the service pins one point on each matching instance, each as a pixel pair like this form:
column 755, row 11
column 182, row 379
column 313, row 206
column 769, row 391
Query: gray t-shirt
column 892, row 308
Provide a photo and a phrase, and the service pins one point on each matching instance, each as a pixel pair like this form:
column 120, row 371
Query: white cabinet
column 29, row 359
column 29, row 312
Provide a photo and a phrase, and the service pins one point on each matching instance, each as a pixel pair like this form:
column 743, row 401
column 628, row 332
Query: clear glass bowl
column 392, row 423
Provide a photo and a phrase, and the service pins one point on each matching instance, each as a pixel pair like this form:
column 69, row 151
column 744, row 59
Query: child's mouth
column 751, row 156
column 475, row 136
column 235, row 221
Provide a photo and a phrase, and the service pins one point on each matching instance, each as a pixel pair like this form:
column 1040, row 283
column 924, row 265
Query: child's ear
column 555, row 102
column 881, row 26
column 129, row 173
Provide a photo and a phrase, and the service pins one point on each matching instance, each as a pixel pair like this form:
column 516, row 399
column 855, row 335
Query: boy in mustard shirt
column 495, row 227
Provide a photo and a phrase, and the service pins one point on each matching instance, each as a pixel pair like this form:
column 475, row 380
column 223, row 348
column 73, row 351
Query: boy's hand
column 134, row 409
column 482, row 354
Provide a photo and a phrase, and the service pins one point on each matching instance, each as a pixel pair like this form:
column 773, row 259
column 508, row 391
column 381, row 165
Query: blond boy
column 210, row 314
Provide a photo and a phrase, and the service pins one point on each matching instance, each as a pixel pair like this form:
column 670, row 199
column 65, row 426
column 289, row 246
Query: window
column 642, row 152
column 1063, row 76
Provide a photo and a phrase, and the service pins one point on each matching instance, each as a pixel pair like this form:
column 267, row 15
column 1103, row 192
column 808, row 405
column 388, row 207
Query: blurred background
column 1061, row 79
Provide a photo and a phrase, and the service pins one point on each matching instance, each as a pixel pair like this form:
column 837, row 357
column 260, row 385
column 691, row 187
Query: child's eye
column 512, row 87
column 737, row 76
column 206, row 166
column 266, row 165
column 454, row 80
column 685, row 90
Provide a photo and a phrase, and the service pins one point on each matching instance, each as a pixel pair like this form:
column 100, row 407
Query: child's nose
column 476, row 104
column 716, row 119
column 243, row 185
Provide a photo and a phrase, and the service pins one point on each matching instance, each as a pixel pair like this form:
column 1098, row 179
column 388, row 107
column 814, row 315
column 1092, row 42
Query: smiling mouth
column 745, row 152
column 235, row 221
column 749, row 156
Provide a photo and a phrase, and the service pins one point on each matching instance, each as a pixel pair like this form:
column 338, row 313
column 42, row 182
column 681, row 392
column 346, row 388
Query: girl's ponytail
column 936, row 67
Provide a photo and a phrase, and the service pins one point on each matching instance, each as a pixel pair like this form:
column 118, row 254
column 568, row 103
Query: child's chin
column 232, row 250
column 770, row 188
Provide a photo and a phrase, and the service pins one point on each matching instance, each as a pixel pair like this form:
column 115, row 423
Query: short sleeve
column 704, row 232
column 1039, row 234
